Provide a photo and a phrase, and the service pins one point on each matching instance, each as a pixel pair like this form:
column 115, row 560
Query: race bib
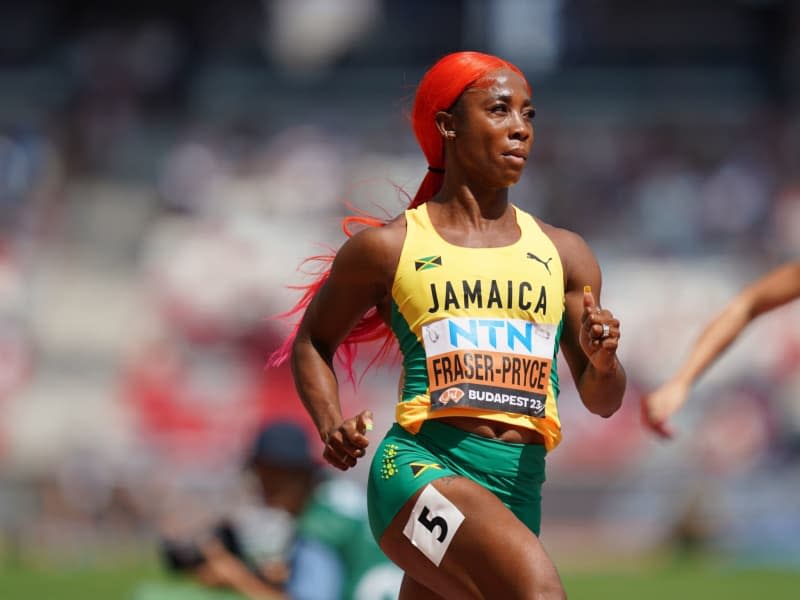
column 489, row 364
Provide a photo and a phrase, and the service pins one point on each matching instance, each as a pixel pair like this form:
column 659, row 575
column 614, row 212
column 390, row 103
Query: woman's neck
column 462, row 204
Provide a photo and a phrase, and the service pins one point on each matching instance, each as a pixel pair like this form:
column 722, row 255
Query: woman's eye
column 499, row 108
column 530, row 114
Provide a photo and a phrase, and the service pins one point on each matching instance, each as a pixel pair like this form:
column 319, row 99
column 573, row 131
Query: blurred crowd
column 156, row 203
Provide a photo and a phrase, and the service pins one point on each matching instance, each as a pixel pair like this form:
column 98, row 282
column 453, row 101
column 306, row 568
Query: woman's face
column 494, row 130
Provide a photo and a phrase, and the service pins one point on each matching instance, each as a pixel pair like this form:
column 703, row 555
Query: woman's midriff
column 495, row 430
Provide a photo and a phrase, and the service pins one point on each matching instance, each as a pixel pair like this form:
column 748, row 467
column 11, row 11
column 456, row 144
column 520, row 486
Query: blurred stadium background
column 165, row 166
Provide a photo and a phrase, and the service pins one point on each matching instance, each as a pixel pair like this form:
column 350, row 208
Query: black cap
column 283, row 443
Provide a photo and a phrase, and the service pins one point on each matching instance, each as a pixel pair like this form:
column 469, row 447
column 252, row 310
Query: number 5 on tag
column 433, row 522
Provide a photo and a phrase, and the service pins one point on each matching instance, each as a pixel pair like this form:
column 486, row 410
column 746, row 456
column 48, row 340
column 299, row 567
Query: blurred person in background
column 769, row 292
column 480, row 296
column 309, row 541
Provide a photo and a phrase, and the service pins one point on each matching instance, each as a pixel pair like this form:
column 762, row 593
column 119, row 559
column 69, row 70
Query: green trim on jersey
column 554, row 368
column 415, row 372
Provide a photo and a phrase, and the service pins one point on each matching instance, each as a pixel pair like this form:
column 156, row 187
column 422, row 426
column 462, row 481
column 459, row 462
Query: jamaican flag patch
column 427, row 262
column 418, row 468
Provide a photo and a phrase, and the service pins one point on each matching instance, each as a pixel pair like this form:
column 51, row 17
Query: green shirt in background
column 337, row 517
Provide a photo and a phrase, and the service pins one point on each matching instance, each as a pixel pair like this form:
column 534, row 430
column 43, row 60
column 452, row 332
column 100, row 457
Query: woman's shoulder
column 561, row 236
column 380, row 245
column 572, row 247
column 386, row 235
column 558, row 235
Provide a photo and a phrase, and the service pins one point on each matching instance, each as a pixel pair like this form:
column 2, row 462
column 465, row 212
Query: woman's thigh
column 411, row 589
column 458, row 540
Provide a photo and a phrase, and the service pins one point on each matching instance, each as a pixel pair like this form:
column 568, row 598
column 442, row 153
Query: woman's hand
column 599, row 335
column 345, row 444
column 660, row 405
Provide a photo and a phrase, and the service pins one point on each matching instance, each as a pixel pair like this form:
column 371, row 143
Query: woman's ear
column 444, row 123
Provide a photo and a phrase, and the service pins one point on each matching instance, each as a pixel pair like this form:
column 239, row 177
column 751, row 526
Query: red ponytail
column 440, row 88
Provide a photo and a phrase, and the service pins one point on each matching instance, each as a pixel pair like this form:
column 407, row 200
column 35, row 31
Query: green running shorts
column 404, row 463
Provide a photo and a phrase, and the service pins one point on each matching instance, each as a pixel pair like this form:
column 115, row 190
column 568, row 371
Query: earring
column 451, row 135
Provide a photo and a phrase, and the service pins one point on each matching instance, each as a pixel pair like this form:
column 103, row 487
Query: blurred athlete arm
column 774, row 289
column 360, row 279
column 223, row 569
column 598, row 374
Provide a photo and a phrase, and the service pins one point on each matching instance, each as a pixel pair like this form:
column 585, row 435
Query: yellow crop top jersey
column 479, row 328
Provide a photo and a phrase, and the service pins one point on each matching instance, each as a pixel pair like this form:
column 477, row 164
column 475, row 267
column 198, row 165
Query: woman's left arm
column 591, row 333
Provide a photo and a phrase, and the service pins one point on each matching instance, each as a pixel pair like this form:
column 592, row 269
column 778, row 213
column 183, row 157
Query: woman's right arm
column 360, row 279
column 770, row 291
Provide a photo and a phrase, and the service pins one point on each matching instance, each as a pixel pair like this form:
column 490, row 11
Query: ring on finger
column 606, row 331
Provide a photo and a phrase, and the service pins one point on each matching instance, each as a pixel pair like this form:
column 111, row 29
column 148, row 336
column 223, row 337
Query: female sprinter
column 480, row 296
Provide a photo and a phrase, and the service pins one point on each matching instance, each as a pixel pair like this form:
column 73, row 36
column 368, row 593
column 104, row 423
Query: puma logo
column 545, row 263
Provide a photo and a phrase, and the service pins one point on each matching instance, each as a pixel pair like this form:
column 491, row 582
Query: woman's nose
column 520, row 126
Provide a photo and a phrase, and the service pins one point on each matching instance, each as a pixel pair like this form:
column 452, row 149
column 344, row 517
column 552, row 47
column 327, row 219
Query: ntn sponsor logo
column 510, row 335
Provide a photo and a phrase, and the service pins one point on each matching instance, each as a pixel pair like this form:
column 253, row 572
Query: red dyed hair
column 440, row 88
